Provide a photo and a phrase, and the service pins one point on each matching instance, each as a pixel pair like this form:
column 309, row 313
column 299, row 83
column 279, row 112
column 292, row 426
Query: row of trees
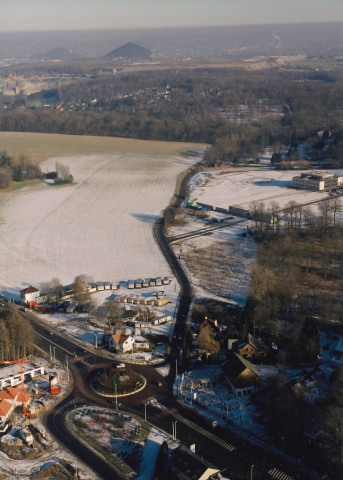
column 297, row 217
column 16, row 336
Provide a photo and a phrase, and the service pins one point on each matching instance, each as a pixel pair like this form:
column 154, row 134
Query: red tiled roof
column 29, row 289
column 120, row 337
column 9, row 393
column 27, row 397
column 123, row 338
column 5, row 407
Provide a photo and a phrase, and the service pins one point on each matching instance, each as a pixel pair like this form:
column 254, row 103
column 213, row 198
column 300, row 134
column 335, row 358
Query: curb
column 120, row 395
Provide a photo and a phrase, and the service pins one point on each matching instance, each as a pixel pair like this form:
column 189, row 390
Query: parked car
column 121, row 365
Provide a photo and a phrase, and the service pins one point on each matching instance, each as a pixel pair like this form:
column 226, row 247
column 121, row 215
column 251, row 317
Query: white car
column 121, row 365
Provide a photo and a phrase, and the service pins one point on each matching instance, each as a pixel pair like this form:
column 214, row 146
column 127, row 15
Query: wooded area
column 16, row 336
column 237, row 112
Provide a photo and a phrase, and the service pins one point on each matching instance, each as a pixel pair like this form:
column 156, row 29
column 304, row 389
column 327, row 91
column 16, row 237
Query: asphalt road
column 162, row 408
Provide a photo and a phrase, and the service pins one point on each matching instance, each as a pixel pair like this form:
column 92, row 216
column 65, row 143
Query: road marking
column 194, row 426
column 53, row 343
column 275, row 473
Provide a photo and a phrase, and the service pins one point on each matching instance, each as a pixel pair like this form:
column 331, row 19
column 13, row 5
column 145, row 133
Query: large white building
column 316, row 180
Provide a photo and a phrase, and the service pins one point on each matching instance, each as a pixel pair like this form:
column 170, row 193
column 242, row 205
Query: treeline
column 201, row 105
column 17, row 169
column 110, row 124
column 16, row 336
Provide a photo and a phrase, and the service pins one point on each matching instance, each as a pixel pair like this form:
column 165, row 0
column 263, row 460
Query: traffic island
column 114, row 383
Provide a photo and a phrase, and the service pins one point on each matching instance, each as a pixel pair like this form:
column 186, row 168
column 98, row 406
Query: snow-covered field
column 243, row 188
column 227, row 253
column 100, row 226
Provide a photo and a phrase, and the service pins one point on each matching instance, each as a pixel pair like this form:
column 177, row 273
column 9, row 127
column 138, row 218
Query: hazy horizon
column 40, row 15
column 196, row 42
column 175, row 27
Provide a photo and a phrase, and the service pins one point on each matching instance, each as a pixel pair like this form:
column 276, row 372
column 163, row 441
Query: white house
column 29, row 294
column 121, row 342
column 141, row 343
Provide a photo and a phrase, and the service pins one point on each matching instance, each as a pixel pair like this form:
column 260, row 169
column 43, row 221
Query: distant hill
column 59, row 53
column 129, row 51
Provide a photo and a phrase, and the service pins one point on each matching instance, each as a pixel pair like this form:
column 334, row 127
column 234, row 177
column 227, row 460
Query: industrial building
column 316, row 180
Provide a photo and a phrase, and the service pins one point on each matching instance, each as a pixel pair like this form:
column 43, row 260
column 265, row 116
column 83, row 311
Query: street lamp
column 67, row 368
column 174, row 429
column 115, row 387
column 177, row 380
column 145, row 411
column 252, row 472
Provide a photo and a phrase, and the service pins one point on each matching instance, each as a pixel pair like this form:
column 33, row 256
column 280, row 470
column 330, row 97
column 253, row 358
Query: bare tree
column 5, row 177
column 53, row 286
column 335, row 204
column 113, row 312
column 16, row 338
column 63, row 172
column 81, row 288
column 207, row 342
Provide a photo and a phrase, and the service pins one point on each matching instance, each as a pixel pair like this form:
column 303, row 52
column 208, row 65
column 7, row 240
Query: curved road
column 162, row 408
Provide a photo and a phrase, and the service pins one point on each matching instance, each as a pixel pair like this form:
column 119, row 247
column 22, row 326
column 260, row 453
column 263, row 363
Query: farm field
column 42, row 146
column 100, row 226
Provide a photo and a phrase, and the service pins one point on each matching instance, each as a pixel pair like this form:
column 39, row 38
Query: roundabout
column 113, row 383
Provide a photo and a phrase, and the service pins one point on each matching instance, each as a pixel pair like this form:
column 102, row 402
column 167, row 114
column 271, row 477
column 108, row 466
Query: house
column 11, row 397
column 27, row 436
column 29, row 294
column 121, row 342
column 241, row 375
column 212, row 324
column 141, row 343
column 251, row 347
column 6, row 408
column 130, row 315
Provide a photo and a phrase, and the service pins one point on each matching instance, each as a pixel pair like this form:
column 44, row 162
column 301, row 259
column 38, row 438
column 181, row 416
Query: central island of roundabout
column 113, row 382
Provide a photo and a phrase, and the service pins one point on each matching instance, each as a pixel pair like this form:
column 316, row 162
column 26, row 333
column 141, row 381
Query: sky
column 33, row 15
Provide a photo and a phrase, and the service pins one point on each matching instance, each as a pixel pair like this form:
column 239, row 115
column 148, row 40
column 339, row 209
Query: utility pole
column 174, row 429
column 115, row 387
column 54, row 354
column 50, row 353
column 67, row 368
column 145, row 412
column 177, row 380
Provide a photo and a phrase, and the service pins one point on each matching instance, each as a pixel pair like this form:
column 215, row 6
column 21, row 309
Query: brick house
column 251, row 347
